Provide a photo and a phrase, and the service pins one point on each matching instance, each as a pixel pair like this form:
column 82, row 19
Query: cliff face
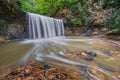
column 12, row 19
column 10, row 11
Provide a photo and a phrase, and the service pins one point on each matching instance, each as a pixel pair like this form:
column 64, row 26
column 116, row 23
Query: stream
column 62, row 51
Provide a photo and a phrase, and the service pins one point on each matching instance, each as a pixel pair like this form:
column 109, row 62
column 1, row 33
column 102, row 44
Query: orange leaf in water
column 93, row 71
column 52, row 76
column 29, row 78
column 84, row 54
column 18, row 69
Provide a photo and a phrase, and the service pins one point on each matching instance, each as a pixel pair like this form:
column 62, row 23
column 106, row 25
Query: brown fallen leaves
column 41, row 72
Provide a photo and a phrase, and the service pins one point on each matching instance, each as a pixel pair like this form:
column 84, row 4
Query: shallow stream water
column 62, row 51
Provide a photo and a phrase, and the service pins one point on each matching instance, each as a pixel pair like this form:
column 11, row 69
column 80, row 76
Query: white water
column 44, row 27
column 54, row 50
column 45, row 51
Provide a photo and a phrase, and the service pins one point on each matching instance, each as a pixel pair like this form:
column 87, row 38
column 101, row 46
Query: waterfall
column 44, row 27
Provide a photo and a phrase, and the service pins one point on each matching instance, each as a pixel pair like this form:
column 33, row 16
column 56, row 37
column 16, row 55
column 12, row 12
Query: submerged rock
column 14, row 72
column 45, row 67
column 88, row 55
column 89, row 58
column 91, row 53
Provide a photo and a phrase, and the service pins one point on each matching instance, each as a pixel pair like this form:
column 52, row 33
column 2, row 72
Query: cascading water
column 55, row 50
column 44, row 27
column 64, row 52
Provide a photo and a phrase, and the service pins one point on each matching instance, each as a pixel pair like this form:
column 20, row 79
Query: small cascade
column 44, row 27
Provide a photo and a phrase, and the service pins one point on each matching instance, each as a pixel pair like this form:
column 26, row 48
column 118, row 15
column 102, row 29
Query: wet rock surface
column 87, row 55
column 91, row 53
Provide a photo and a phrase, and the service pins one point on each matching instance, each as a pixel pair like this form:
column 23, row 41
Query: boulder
column 91, row 53
column 88, row 55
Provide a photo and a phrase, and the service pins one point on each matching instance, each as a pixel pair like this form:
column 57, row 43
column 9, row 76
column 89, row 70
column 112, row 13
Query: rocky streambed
column 65, row 58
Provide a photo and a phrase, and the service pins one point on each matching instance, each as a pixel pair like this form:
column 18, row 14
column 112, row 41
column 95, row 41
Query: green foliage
column 77, row 9
column 111, row 3
column 78, row 12
column 44, row 7
column 27, row 5
column 114, row 21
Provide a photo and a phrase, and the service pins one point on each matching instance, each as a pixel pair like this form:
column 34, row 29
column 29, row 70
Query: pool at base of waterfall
column 64, row 52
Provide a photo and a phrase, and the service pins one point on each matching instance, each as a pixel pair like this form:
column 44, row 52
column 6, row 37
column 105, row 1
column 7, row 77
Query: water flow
column 44, row 27
column 62, row 51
